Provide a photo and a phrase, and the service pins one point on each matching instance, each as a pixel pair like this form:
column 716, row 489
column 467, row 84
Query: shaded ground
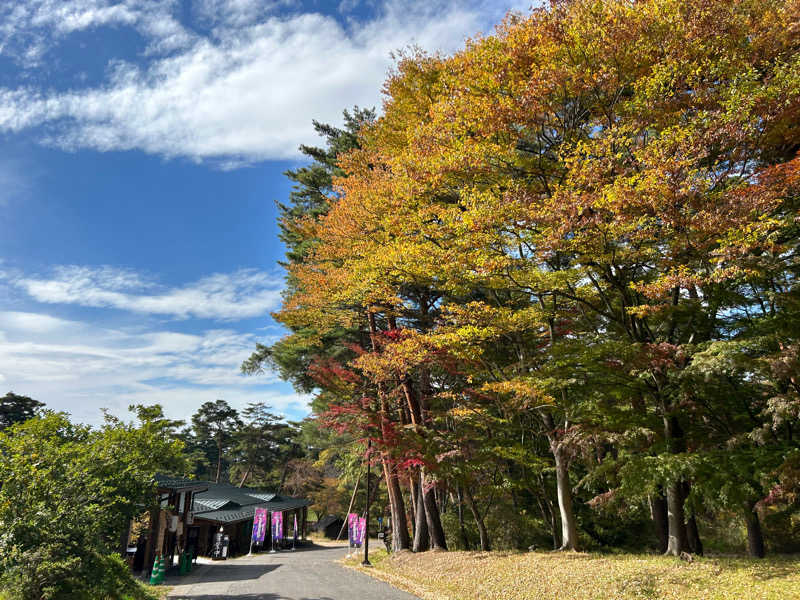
column 311, row 573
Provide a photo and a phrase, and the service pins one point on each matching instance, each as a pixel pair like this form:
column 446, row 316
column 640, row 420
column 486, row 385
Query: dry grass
column 323, row 541
column 578, row 576
column 157, row 591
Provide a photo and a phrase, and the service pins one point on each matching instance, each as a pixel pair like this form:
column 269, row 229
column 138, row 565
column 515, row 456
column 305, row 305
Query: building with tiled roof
column 231, row 509
column 168, row 529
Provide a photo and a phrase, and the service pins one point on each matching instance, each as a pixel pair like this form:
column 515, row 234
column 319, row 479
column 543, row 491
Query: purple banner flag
column 295, row 528
column 352, row 519
column 362, row 526
column 259, row 525
column 277, row 526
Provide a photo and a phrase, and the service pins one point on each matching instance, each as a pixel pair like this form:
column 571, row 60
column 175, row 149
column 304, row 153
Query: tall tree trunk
column 485, row 545
column 755, row 539
column 435, row 528
column 693, row 536
column 569, row 527
column 550, row 516
column 284, row 475
column 421, row 533
column 124, row 536
column 658, row 511
column 412, row 501
column 676, row 541
column 400, row 539
column 219, row 458
column 462, row 529
column 150, row 550
column 692, row 532
column 246, row 475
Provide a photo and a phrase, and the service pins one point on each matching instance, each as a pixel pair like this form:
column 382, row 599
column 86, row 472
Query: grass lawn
column 578, row 576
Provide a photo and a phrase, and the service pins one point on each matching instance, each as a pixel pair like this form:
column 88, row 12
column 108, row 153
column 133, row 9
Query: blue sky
column 143, row 149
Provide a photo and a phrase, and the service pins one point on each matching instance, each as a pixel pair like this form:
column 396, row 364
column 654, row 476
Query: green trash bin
column 182, row 564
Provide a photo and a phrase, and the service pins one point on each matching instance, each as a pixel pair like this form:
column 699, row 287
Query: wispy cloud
column 244, row 91
column 226, row 296
column 29, row 29
column 76, row 366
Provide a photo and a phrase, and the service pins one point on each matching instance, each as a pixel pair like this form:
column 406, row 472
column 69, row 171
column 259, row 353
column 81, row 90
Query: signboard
column 277, row 526
column 259, row 525
column 219, row 551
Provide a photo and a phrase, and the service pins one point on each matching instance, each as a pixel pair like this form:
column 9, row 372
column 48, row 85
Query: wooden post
column 150, row 548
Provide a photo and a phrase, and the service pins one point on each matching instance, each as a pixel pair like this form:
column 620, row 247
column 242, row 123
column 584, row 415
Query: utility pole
column 366, row 562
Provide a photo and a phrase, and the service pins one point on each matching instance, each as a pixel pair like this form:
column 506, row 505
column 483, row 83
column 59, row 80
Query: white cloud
column 247, row 91
column 66, row 17
column 221, row 14
column 32, row 322
column 28, row 29
column 79, row 367
column 228, row 296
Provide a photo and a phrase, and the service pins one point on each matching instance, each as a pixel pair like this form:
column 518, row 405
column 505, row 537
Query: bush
column 43, row 574
column 67, row 493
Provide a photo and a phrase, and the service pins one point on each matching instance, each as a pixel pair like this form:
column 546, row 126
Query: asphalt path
column 310, row 573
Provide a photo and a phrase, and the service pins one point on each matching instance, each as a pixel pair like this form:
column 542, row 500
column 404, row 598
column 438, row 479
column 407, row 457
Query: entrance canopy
column 224, row 504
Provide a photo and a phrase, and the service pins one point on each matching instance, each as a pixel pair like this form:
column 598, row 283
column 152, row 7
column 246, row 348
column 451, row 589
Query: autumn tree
column 573, row 219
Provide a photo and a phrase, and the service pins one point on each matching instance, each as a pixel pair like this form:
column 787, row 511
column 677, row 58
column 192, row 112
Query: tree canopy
column 565, row 259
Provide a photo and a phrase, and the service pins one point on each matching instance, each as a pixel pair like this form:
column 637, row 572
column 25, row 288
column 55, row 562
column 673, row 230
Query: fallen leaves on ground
column 579, row 576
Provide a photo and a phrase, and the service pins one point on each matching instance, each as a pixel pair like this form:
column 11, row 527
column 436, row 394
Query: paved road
column 306, row 574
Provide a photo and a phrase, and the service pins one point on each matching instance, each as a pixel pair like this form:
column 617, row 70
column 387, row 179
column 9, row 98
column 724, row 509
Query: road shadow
column 300, row 549
column 228, row 572
column 264, row 596
column 237, row 572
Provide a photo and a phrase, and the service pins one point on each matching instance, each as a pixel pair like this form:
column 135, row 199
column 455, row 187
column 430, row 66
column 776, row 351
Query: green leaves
column 68, row 491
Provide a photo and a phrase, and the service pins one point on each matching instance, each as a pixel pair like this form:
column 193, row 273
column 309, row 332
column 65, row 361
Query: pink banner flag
column 259, row 525
column 362, row 527
column 277, row 526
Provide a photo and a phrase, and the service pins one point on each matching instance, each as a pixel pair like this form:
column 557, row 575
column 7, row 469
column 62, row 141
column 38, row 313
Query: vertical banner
column 259, row 525
column 362, row 527
column 277, row 526
column 294, row 538
column 352, row 519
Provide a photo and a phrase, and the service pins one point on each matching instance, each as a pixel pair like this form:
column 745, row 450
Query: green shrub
column 67, row 493
column 43, row 574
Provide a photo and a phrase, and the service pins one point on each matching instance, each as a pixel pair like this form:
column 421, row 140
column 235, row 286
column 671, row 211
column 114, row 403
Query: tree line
column 69, row 492
column 554, row 283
